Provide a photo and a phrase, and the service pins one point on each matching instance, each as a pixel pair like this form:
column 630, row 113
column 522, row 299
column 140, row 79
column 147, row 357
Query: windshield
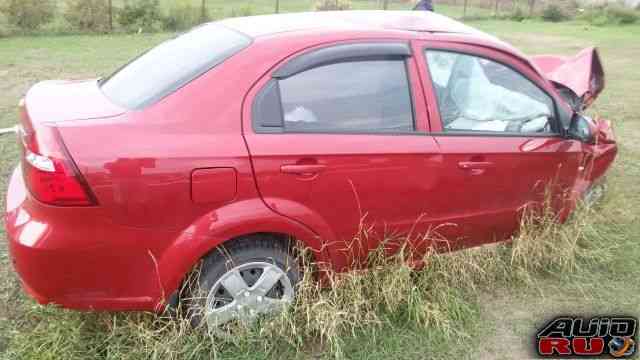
column 172, row 64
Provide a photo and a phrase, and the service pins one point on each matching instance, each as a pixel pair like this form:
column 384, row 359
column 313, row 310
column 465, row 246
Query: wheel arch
column 220, row 226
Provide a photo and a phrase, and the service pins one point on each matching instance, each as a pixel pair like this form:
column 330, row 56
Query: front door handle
column 475, row 165
column 301, row 169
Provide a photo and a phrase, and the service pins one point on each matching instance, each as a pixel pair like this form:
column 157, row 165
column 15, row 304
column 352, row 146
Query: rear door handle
column 303, row 169
column 475, row 165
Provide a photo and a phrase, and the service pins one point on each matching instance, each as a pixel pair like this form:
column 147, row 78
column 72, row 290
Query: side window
column 358, row 96
column 477, row 94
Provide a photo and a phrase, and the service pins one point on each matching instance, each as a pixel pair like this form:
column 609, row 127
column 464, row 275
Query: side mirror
column 583, row 129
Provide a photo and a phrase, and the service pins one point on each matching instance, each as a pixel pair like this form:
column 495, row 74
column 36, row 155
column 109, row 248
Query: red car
column 248, row 133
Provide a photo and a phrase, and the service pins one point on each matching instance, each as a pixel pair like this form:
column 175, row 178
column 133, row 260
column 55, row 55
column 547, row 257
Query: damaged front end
column 579, row 80
column 601, row 151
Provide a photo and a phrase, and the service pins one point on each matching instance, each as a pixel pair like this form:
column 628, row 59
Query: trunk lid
column 582, row 74
column 48, row 168
column 59, row 100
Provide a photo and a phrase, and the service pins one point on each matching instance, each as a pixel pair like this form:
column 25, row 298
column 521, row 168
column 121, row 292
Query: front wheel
column 595, row 194
column 250, row 277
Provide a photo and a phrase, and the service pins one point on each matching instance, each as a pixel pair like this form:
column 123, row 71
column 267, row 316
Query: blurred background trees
column 69, row 16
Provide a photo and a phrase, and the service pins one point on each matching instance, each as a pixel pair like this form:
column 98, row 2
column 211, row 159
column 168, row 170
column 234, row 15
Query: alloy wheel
column 245, row 292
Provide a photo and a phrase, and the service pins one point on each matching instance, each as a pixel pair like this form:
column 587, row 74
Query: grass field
column 497, row 322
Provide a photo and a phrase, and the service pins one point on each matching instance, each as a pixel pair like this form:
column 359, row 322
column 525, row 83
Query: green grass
column 493, row 316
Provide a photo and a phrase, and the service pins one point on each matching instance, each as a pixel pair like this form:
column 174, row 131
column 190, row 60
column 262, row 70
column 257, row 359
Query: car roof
column 362, row 20
column 415, row 24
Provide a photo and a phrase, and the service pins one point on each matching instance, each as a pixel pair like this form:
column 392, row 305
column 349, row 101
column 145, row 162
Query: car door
column 495, row 122
column 338, row 142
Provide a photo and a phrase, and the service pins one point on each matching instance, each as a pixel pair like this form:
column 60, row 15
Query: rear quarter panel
column 139, row 165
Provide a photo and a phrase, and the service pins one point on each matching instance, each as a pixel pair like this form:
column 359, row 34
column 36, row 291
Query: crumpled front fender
column 600, row 155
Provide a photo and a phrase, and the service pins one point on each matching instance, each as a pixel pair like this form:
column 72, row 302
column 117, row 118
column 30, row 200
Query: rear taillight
column 49, row 172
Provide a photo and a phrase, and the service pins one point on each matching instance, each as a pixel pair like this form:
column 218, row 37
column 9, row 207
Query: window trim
column 258, row 122
column 396, row 55
column 486, row 133
column 555, row 121
column 341, row 53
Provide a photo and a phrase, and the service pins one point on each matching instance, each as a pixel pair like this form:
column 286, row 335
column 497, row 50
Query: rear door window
column 357, row 96
column 172, row 64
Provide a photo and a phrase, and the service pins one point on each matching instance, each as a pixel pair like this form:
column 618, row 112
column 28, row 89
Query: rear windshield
column 171, row 65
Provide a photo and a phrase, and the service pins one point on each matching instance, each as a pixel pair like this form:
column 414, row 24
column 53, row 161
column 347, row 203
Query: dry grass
column 439, row 297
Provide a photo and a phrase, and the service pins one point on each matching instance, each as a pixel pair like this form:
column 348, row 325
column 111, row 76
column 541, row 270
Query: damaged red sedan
column 249, row 133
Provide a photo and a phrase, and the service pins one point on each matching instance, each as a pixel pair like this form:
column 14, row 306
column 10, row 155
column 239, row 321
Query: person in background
column 424, row 5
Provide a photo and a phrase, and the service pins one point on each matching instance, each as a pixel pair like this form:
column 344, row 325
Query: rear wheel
column 238, row 283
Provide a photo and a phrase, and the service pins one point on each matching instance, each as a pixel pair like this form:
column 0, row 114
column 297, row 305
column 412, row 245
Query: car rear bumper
column 77, row 258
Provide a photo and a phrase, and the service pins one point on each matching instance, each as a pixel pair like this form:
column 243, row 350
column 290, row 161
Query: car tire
column 596, row 194
column 221, row 297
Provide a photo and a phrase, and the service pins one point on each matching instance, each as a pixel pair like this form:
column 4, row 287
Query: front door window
column 477, row 94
